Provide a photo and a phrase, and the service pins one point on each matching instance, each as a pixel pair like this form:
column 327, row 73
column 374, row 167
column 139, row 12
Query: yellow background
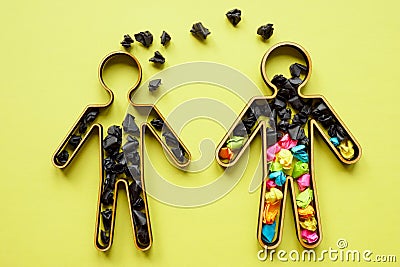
column 50, row 52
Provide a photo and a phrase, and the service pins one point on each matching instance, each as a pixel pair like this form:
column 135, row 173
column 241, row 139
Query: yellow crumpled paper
column 346, row 149
column 273, row 195
column 285, row 158
column 307, row 212
column 309, row 224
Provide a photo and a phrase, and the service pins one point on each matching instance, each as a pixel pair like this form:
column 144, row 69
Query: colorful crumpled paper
column 225, row 153
column 299, row 169
column 285, row 158
column 288, row 172
column 236, row 142
column 273, row 195
column 304, row 198
column 286, row 142
column 271, row 210
column 309, row 224
column 271, row 151
column 306, row 213
column 275, row 166
column 346, row 149
column 303, row 181
column 309, row 236
column 268, row 232
column 270, row 184
column 334, row 141
column 279, row 177
column 300, row 153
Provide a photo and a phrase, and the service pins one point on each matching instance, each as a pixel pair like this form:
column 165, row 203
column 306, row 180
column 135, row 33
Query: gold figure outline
column 261, row 128
column 99, row 128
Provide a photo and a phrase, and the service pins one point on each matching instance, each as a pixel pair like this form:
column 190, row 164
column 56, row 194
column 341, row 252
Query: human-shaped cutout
column 287, row 131
column 119, row 166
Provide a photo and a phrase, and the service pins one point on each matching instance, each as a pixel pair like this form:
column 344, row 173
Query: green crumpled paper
column 304, row 198
column 275, row 166
column 299, row 169
column 236, row 142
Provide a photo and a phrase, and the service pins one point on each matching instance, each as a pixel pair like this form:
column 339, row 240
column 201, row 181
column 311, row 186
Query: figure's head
column 125, row 64
column 300, row 71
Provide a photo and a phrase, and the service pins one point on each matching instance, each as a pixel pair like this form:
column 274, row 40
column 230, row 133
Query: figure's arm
column 334, row 132
column 158, row 126
column 76, row 137
column 255, row 117
column 169, row 140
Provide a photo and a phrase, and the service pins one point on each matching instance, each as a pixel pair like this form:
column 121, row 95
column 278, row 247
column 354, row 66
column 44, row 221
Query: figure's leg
column 289, row 165
column 289, row 159
column 123, row 166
